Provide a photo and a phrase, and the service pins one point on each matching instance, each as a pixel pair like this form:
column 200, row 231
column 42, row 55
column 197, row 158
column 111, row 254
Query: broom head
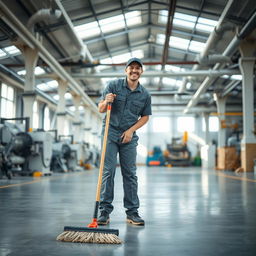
column 89, row 235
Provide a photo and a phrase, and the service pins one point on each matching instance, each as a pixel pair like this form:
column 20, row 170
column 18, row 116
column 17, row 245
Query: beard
column 134, row 77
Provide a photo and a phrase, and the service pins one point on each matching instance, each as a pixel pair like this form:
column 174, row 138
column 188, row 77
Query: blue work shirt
column 127, row 107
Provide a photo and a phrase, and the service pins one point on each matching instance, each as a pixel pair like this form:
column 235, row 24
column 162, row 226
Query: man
column 131, row 107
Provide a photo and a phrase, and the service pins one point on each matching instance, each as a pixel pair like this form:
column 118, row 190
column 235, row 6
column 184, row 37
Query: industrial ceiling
column 190, row 48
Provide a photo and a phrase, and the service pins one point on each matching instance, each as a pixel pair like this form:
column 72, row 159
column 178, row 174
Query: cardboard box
column 248, row 155
column 227, row 159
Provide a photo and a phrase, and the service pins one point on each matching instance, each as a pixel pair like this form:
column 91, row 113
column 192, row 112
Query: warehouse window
column 47, row 120
column 161, row 124
column 213, row 124
column 35, row 124
column 7, row 101
column 186, row 123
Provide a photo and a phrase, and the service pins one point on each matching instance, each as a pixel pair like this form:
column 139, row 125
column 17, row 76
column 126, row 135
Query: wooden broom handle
column 103, row 151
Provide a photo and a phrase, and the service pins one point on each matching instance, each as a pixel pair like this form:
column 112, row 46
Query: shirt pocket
column 119, row 102
column 136, row 107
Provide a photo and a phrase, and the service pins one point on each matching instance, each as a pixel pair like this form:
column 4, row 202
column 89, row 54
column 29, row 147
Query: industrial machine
column 155, row 157
column 63, row 159
column 177, row 153
column 24, row 152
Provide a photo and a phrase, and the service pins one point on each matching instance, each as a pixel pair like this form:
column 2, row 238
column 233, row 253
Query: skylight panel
column 12, row 50
column 178, row 42
column 88, row 30
column 172, row 68
column 185, row 17
column 56, row 97
column 188, row 21
column 52, row 84
column 112, row 23
column 104, row 61
column 160, row 38
column 138, row 54
column 162, row 17
column 206, row 25
column 169, row 81
column 38, row 71
column 68, row 96
column 181, row 43
column 2, row 54
column 133, row 18
column 121, row 58
column 48, row 86
column 42, row 87
column 196, row 46
column 21, row 72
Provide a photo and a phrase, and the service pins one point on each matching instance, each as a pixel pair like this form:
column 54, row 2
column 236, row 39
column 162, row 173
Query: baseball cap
column 134, row 60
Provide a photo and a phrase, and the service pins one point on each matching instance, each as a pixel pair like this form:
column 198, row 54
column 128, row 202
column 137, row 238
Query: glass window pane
column 47, row 119
column 2, row 54
column 196, row 46
column 88, row 30
column 9, row 109
column 3, row 107
column 4, row 91
column 213, row 124
column 186, row 124
column 10, row 93
column 179, row 43
column 184, row 17
column 161, row 124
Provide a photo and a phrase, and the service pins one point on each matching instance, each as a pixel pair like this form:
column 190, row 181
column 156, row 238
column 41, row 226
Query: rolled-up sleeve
column 147, row 111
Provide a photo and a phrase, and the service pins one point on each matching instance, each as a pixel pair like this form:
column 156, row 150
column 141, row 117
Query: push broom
column 91, row 233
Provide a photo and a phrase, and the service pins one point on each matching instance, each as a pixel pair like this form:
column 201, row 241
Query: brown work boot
column 135, row 219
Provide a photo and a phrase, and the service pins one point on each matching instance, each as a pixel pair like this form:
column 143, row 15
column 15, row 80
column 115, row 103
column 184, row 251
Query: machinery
column 177, row 153
column 156, row 157
column 63, row 159
column 24, row 152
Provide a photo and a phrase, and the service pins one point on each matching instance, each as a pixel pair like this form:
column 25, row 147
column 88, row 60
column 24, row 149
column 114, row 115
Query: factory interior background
column 196, row 157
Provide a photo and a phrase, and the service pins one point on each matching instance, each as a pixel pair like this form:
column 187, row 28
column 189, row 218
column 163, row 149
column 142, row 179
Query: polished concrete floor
column 188, row 211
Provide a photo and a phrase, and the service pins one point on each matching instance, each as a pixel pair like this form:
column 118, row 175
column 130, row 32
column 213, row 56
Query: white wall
column 148, row 138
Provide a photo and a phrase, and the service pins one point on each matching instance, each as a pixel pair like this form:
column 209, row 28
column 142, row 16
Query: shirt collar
column 139, row 89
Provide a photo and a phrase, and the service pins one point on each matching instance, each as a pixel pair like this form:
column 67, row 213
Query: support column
column 87, row 124
column 248, row 143
column 221, row 107
column 61, row 108
column 77, row 123
column 29, row 95
column 207, row 134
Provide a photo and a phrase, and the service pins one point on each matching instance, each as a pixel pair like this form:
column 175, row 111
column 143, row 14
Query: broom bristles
column 88, row 237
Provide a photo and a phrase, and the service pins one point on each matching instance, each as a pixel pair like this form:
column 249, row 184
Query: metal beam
column 210, row 73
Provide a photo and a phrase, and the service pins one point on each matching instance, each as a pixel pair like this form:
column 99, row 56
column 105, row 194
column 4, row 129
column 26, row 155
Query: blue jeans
column 127, row 156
